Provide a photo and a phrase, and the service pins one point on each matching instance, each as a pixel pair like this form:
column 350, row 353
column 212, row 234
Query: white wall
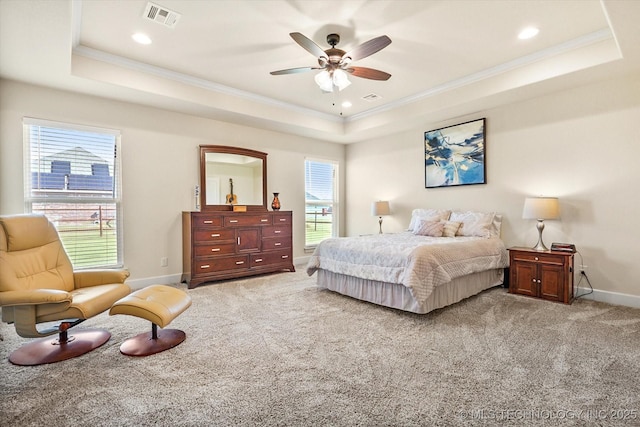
column 581, row 145
column 160, row 162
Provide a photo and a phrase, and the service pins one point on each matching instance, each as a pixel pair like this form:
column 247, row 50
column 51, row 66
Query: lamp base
column 540, row 246
column 380, row 222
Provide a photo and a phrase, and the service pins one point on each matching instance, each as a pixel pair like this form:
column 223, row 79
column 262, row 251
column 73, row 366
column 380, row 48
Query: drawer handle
column 215, row 250
column 277, row 244
column 533, row 280
column 215, row 235
column 278, row 231
column 264, row 220
column 538, row 280
column 233, row 220
column 239, row 262
column 208, row 221
column 283, row 219
column 536, row 258
column 259, row 260
column 285, row 256
column 238, row 241
column 205, row 266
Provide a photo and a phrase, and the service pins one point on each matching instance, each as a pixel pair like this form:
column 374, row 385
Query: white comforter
column 418, row 262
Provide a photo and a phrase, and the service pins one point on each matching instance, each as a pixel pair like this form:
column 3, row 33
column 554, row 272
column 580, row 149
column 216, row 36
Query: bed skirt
column 398, row 296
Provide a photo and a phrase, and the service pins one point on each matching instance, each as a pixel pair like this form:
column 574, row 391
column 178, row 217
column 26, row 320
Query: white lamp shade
column 541, row 208
column 323, row 79
column 340, row 79
column 327, row 80
column 380, row 208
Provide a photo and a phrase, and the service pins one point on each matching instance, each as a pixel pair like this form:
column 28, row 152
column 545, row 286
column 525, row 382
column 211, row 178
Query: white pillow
column 427, row 214
column 479, row 224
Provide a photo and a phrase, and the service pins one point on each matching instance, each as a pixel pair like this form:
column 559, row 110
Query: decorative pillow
column 474, row 223
column 430, row 228
column 450, row 228
column 427, row 214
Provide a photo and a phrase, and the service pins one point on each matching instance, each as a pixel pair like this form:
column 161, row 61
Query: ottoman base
column 145, row 344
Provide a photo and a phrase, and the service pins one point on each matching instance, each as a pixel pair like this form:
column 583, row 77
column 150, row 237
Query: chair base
column 146, row 344
column 51, row 350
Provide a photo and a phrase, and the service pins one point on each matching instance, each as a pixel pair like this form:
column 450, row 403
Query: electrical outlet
column 164, row 262
column 583, row 267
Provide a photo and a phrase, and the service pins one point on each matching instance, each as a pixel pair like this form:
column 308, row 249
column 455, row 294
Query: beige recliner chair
column 38, row 285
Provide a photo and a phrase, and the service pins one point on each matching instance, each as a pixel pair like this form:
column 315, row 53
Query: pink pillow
column 429, row 228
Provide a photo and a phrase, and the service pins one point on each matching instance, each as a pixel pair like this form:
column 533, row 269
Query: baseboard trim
column 301, row 261
column 615, row 298
column 158, row 280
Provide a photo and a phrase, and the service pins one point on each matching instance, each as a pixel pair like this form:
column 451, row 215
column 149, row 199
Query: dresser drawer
column 282, row 219
column 201, row 236
column 223, row 263
column 207, row 220
column 275, row 231
column 276, row 243
column 214, row 249
column 270, row 258
column 244, row 220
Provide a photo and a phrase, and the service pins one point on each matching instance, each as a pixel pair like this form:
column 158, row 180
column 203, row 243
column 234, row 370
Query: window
column 72, row 175
column 321, row 201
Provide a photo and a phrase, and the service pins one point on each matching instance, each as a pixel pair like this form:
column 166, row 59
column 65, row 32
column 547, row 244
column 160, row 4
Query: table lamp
column 379, row 209
column 541, row 208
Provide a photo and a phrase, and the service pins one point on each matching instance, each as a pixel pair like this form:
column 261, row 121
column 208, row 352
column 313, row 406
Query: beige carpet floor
column 277, row 351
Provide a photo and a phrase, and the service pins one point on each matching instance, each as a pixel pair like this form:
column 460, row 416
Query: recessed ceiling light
column 528, row 33
column 347, row 104
column 141, row 38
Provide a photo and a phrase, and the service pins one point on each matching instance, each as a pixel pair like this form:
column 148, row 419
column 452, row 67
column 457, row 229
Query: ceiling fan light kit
column 328, row 80
column 336, row 63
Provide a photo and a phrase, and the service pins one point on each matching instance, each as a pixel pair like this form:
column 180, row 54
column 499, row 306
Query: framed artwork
column 455, row 155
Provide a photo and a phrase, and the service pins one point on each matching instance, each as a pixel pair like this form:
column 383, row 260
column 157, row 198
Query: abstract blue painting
column 455, row 155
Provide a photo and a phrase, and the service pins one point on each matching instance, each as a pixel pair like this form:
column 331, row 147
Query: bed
column 442, row 258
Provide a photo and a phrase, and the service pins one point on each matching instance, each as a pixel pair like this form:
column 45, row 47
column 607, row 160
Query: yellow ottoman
column 158, row 304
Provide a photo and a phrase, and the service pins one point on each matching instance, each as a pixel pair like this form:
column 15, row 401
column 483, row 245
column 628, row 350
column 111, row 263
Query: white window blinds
column 72, row 175
column 321, row 201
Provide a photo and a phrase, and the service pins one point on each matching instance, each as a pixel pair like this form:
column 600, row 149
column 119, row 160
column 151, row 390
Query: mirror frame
column 204, row 150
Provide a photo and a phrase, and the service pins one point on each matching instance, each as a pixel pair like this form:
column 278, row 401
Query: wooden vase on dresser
column 234, row 235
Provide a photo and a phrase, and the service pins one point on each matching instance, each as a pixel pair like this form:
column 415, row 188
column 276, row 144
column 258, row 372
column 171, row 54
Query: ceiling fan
column 336, row 63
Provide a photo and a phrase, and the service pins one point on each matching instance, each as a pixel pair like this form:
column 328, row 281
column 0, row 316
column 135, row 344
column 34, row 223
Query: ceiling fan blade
column 368, row 73
column 308, row 44
column 368, row 48
column 294, row 70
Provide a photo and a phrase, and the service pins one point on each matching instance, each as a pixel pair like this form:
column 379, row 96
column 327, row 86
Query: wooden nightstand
column 541, row 274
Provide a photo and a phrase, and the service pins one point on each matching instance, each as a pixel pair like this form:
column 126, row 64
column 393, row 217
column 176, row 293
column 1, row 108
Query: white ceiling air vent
column 161, row 15
column 371, row 97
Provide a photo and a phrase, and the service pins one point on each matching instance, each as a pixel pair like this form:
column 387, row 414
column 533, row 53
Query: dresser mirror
column 232, row 176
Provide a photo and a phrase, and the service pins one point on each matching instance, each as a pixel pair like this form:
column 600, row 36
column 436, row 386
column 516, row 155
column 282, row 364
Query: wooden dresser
column 541, row 274
column 226, row 245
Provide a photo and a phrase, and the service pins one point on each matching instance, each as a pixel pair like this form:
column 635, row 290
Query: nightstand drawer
column 539, row 257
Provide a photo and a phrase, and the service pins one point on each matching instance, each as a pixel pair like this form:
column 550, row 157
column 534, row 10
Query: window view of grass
column 87, row 231
column 88, row 247
column 318, row 224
